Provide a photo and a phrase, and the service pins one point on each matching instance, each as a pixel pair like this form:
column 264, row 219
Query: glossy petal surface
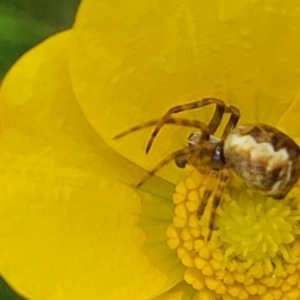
column 72, row 228
column 146, row 56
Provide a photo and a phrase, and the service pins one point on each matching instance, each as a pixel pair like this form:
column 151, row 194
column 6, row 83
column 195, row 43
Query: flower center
column 254, row 250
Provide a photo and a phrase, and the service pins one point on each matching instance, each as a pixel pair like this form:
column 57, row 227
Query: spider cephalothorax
column 263, row 157
column 210, row 156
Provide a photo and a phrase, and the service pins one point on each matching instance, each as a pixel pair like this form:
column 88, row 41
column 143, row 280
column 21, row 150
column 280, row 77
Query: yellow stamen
column 254, row 251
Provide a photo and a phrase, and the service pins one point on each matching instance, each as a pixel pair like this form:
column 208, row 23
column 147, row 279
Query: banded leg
column 207, row 193
column 224, row 176
column 182, row 152
column 212, row 126
column 175, row 121
column 203, row 203
column 234, row 118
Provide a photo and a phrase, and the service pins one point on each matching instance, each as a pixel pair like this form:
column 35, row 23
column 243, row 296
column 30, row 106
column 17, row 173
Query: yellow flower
column 73, row 227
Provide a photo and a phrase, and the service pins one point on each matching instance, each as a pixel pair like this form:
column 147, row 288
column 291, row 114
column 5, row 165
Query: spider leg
column 224, row 175
column 175, row 121
column 174, row 155
column 212, row 126
column 207, row 193
column 234, row 117
column 203, row 203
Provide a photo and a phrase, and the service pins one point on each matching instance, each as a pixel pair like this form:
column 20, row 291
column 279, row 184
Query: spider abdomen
column 264, row 158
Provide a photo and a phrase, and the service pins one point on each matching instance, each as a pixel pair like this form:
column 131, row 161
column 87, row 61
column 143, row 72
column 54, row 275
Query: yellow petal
column 145, row 57
column 39, row 107
column 290, row 118
column 70, row 229
column 182, row 291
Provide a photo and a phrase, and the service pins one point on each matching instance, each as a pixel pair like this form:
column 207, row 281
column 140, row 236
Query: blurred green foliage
column 24, row 23
column 7, row 293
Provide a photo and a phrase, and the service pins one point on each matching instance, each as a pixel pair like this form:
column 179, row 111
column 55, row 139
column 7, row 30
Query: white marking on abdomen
column 257, row 151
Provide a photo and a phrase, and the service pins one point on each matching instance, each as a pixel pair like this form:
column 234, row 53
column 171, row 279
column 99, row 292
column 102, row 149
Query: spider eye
column 218, row 159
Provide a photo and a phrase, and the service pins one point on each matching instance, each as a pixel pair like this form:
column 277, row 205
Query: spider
column 263, row 157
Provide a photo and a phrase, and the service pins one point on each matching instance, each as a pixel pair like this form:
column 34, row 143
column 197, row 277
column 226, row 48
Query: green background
column 23, row 24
